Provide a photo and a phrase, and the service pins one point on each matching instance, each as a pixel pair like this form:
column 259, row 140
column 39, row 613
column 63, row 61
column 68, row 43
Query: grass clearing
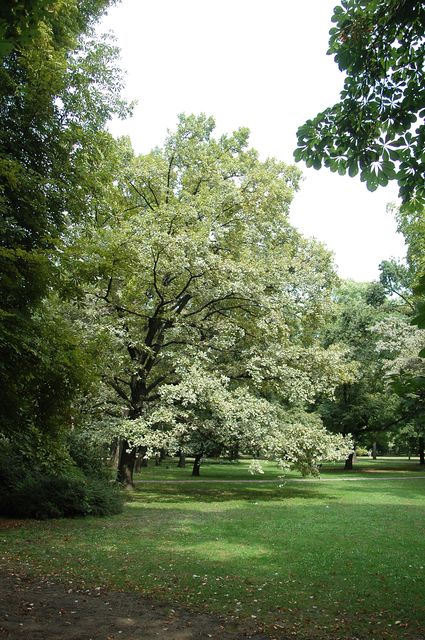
column 213, row 469
column 314, row 560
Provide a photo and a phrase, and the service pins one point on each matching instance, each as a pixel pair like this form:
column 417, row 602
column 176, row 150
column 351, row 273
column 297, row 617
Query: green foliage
column 22, row 21
column 419, row 318
column 405, row 440
column 58, row 88
column 60, row 496
column 89, row 458
column 28, row 492
column 204, row 301
column 377, row 129
column 365, row 405
column 38, row 398
column 361, row 451
column 396, row 279
column 412, row 225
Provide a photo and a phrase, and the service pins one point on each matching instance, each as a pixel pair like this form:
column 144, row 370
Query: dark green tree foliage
column 363, row 407
column 58, row 87
column 396, row 281
column 377, row 129
column 411, row 223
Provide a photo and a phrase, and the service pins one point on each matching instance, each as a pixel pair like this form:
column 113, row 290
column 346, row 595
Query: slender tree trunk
column 115, row 453
column 126, row 465
column 421, row 442
column 349, row 462
column 162, row 455
column 374, row 451
column 197, row 465
column 143, row 451
column 234, row 452
column 182, row 460
column 138, row 463
column 139, row 459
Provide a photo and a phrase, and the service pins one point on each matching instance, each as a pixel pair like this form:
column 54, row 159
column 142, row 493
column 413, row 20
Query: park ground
column 228, row 556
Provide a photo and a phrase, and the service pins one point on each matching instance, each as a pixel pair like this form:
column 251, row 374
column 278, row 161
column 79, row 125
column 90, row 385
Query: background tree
column 364, row 406
column 399, row 345
column 58, row 87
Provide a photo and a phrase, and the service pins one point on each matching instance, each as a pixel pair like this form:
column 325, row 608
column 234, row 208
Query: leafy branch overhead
column 377, row 128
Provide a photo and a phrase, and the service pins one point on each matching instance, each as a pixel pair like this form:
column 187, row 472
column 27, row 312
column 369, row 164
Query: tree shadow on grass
column 169, row 493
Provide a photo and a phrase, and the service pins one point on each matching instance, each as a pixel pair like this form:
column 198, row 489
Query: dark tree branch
column 141, row 194
column 170, row 166
column 198, row 186
column 229, row 296
column 153, row 193
column 114, row 384
column 155, row 281
column 119, row 307
column 155, row 383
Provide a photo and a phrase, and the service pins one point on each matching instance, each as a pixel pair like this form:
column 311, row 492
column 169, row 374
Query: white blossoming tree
column 204, row 302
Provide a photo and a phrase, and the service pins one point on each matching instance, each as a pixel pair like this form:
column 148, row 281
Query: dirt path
column 44, row 609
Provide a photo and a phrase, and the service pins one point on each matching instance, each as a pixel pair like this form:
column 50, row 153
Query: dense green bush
column 88, row 457
column 44, row 497
column 29, row 493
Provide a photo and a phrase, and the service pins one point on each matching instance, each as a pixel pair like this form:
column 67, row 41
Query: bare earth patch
column 44, row 609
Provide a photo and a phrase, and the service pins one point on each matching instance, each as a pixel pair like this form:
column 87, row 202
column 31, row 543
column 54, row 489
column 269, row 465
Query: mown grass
column 316, row 560
column 212, row 469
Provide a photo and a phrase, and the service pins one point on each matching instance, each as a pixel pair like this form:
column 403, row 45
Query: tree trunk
column 126, row 465
column 141, row 461
column 197, row 464
column 421, row 442
column 374, row 451
column 138, row 463
column 143, row 451
column 349, row 462
column 234, row 452
column 182, row 460
column 115, row 453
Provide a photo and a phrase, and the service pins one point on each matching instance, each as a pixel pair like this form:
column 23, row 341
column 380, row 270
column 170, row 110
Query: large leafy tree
column 58, row 87
column 365, row 406
column 377, row 128
column 207, row 299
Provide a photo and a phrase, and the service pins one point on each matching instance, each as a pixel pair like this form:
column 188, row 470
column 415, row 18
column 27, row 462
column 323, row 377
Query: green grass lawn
column 222, row 470
column 316, row 560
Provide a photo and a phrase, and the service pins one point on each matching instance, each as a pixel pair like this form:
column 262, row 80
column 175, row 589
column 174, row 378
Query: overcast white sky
column 263, row 65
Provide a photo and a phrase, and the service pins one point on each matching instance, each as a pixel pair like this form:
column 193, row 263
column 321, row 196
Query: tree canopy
column 209, row 300
column 58, row 87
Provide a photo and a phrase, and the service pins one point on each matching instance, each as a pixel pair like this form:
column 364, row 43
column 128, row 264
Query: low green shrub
column 104, row 498
column 361, row 451
column 26, row 492
column 88, row 457
column 43, row 497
